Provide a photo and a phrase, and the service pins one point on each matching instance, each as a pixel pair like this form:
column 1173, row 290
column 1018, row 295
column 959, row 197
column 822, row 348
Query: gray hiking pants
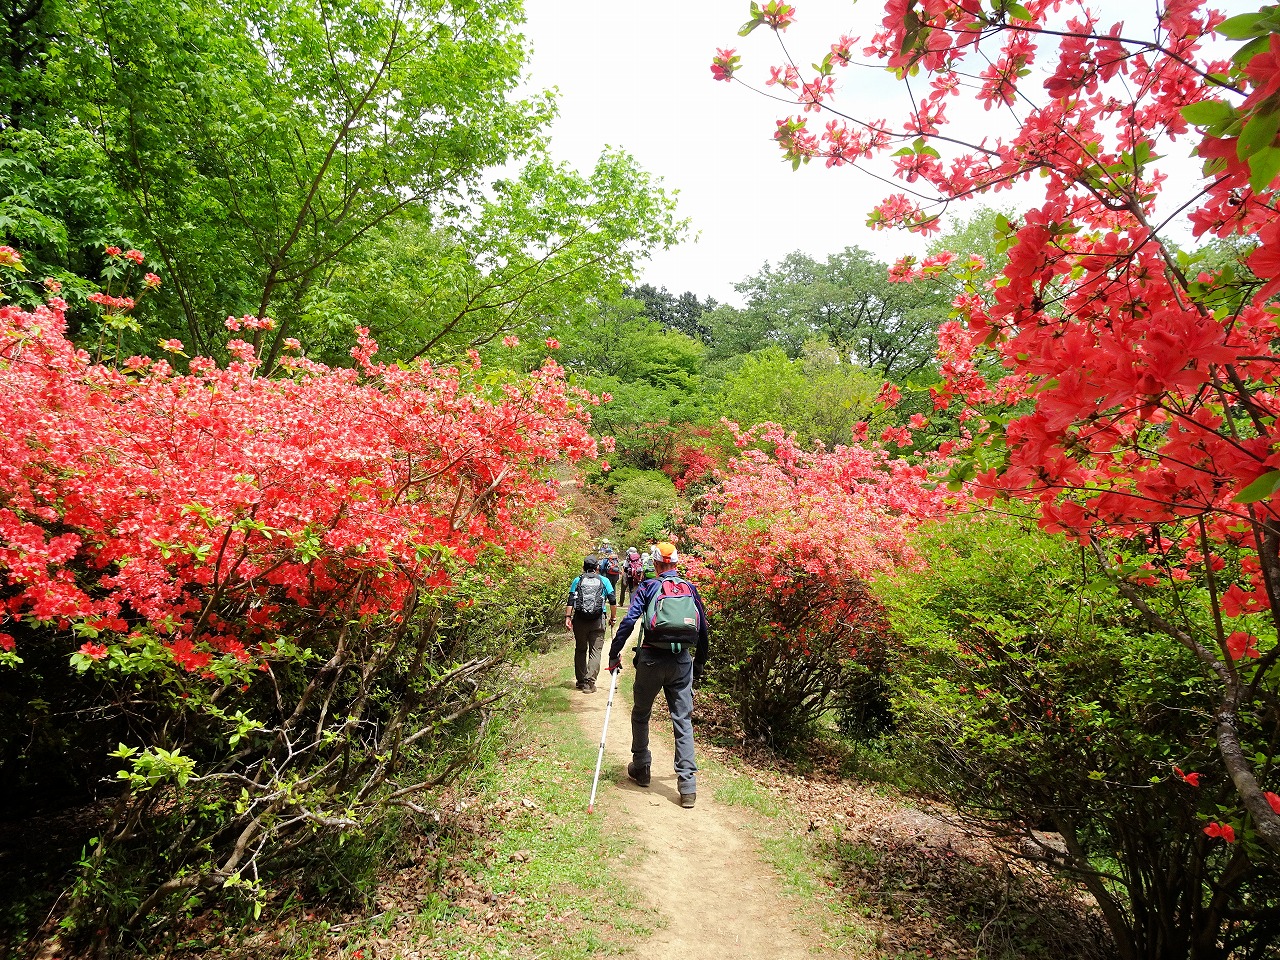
column 588, row 641
column 672, row 674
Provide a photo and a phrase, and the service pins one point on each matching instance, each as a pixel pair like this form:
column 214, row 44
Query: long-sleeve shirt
column 639, row 600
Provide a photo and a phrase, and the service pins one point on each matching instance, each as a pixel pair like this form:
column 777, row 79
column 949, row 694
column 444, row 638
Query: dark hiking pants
column 588, row 641
column 672, row 674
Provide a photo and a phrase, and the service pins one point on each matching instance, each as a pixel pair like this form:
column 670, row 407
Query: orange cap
column 666, row 552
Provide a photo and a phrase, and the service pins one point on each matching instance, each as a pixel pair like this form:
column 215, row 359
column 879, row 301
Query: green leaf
column 1017, row 11
column 1258, row 134
column 746, row 28
column 1260, row 489
column 1242, row 26
column 1264, row 167
column 1208, row 112
column 1250, row 50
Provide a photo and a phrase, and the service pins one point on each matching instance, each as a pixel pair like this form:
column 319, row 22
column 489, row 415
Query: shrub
column 241, row 599
column 1036, row 700
column 642, row 494
column 784, row 550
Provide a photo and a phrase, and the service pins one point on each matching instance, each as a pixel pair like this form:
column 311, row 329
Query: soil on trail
column 699, row 871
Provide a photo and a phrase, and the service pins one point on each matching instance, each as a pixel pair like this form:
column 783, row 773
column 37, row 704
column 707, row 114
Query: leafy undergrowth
column 507, row 865
column 901, row 880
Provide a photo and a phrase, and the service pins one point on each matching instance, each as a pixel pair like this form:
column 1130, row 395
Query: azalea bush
column 1039, row 704
column 240, row 596
column 1135, row 402
column 783, row 551
column 693, row 465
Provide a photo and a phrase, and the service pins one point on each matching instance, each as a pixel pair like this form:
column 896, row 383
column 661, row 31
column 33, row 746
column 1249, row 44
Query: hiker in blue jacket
column 584, row 615
column 670, row 656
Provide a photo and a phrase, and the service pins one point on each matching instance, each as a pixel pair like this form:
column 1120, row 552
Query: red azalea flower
column 1241, row 644
column 1223, row 830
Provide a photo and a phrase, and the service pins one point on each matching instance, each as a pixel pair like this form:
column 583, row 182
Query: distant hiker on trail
column 671, row 654
column 609, row 565
column 632, row 572
column 646, row 564
column 584, row 615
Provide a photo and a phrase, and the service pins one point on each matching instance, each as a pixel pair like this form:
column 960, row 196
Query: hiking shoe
column 589, row 687
column 638, row 774
column 687, row 800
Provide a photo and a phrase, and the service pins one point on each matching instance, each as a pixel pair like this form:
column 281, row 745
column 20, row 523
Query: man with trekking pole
column 671, row 654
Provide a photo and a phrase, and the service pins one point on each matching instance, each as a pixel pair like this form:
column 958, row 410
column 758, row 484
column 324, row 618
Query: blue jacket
column 644, row 592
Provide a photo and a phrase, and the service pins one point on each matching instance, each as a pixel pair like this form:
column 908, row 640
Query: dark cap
column 589, row 564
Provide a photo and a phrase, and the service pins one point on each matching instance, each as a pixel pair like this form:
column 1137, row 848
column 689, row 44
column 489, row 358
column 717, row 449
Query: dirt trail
column 699, row 870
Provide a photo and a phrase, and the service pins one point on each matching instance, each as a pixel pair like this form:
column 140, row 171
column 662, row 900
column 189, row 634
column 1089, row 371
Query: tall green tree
column 683, row 313
column 846, row 300
column 655, row 376
column 522, row 260
column 57, row 201
column 819, row 396
column 258, row 142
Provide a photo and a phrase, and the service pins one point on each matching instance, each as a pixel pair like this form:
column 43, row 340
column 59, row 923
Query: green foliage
column 254, row 148
column 619, row 344
column 645, row 501
column 682, row 313
column 846, row 301
column 766, row 387
column 524, row 261
column 56, row 204
column 818, row 396
column 1036, row 702
column 653, row 374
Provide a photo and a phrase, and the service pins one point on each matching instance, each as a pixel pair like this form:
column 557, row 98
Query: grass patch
column 545, row 883
column 550, row 867
column 736, row 790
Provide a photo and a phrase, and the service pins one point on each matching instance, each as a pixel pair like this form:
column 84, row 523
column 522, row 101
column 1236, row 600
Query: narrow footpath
column 699, row 870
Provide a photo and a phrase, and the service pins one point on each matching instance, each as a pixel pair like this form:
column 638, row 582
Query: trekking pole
column 595, row 781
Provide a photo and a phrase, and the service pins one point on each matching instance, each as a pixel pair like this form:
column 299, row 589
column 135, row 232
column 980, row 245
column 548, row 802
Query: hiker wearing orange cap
column 671, row 654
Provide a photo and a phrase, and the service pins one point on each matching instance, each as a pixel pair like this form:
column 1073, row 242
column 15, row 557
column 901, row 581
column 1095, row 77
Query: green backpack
column 671, row 619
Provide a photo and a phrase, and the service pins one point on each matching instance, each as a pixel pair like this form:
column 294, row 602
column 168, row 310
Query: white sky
column 638, row 77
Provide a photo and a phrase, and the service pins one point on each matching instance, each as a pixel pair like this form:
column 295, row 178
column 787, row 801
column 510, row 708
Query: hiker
column 632, row 573
column 670, row 656
column 610, row 567
column 646, row 564
column 584, row 615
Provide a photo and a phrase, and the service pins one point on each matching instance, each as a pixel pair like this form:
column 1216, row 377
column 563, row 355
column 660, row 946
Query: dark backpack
column 671, row 618
column 589, row 599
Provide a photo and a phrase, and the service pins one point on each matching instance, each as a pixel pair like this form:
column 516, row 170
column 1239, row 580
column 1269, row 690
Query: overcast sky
column 638, row 76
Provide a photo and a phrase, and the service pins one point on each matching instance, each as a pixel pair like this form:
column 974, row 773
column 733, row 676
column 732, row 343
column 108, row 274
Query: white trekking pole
column 595, row 781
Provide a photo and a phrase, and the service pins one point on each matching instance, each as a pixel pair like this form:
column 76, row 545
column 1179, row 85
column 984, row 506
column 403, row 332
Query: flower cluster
column 219, row 512
column 781, row 527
